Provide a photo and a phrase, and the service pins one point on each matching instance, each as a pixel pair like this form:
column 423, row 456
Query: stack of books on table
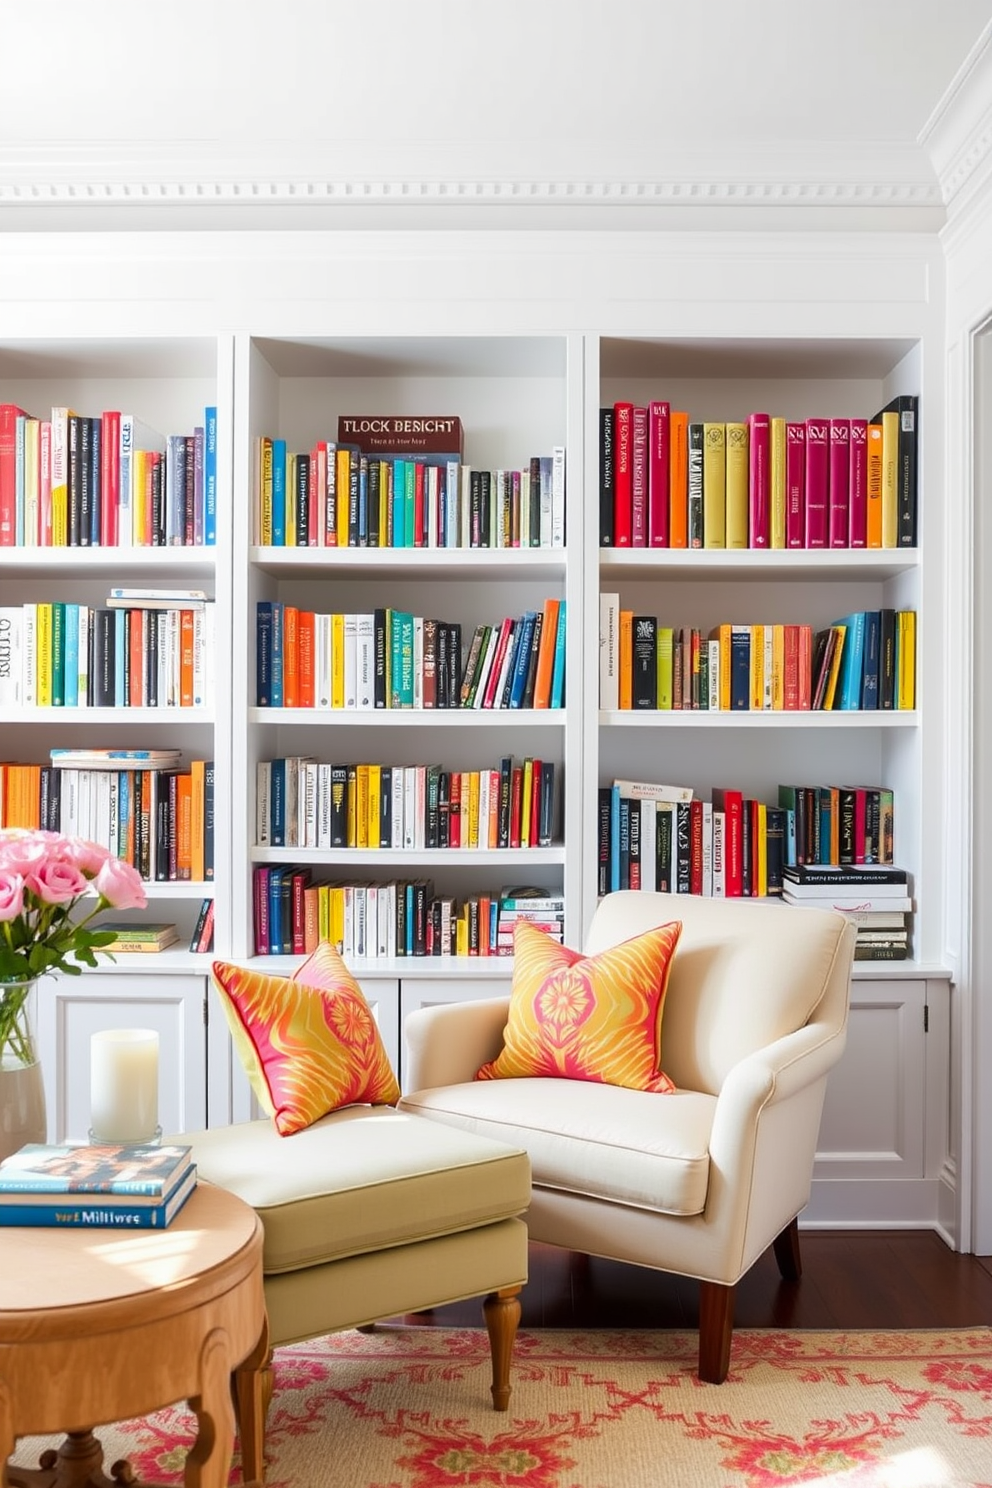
column 876, row 900
column 95, row 1187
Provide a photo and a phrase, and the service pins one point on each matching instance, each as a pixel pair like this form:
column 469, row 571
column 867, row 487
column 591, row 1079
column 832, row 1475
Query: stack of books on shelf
column 666, row 481
column 540, row 907
column 73, row 480
column 402, row 482
column 876, row 900
column 143, row 805
column 139, row 939
column 865, row 660
column 302, row 803
column 145, row 648
column 389, row 658
column 95, row 1187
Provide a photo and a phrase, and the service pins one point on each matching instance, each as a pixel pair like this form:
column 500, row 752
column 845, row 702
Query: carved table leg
column 502, row 1314
column 208, row 1464
column 78, row 1463
column 252, row 1383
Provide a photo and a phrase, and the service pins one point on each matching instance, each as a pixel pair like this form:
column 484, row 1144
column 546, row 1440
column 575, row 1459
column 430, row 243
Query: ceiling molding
column 958, row 134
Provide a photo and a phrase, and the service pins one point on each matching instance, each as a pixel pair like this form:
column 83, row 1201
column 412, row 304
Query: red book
column 499, row 655
column 623, row 465
column 731, row 803
column 805, row 666
column 9, row 414
column 858, row 527
column 659, row 474
column 419, row 517
column 839, row 520
column 795, row 485
column 516, row 797
column 455, row 810
column 695, row 846
column 817, row 482
column 759, row 483
column 110, row 478
column 639, row 480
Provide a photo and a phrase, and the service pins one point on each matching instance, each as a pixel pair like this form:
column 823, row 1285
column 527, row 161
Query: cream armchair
column 699, row 1182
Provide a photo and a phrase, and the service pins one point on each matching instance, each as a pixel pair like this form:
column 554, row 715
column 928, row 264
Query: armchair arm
column 445, row 1044
column 770, row 1076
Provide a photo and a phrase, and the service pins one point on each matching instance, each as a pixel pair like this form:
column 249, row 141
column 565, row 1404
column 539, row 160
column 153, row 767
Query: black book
column 534, row 501
column 373, row 497
column 644, row 683
column 546, row 810
column 444, row 809
column 152, row 622
column 301, row 497
column 606, row 479
column 887, row 659
column 527, row 701
column 603, row 846
column 354, row 496
column 475, row 508
column 200, row 926
column 623, row 847
column 189, row 493
column 748, row 882
column 486, row 498
column 434, row 937
column 163, row 826
column 422, row 894
column 442, row 697
column 158, row 504
column 858, row 875
column 84, row 472
column 634, row 841
column 95, row 481
column 503, row 817
column 339, row 805
column 907, row 406
column 432, row 827
column 209, row 812
column 379, row 658
column 454, row 662
column 695, row 487
column 104, row 658
column 848, row 848
column 775, row 848
column 73, row 477
column 682, row 848
column 663, row 843
column 386, row 806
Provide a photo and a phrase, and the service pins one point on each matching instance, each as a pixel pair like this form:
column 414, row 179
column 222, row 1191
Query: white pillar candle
column 124, row 1085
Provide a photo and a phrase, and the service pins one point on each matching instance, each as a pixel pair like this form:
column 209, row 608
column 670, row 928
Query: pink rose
column 89, row 857
column 120, row 885
column 11, row 894
column 55, row 882
column 22, row 852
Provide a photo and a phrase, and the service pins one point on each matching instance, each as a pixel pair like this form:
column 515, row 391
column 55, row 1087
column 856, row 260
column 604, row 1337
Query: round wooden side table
column 99, row 1326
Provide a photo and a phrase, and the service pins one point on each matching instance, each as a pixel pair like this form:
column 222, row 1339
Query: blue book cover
column 410, row 504
column 614, row 838
column 740, row 668
column 849, row 682
column 125, row 806
column 96, row 484
column 403, row 675
column 263, row 654
column 210, row 476
column 558, row 670
column 276, row 946
column 396, row 513
column 70, row 675
column 869, row 666
column 96, row 1211
column 521, row 661
column 408, row 894
column 278, row 493
column 277, row 804
column 277, row 653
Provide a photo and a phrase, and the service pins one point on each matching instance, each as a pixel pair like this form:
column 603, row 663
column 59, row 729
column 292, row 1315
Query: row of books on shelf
column 302, row 803
column 144, row 806
column 865, row 660
column 382, row 484
column 370, row 921
column 388, row 658
column 132, row 653
column 668, row 481
column 75, row 480
column 96, row 1186
column 665, row 838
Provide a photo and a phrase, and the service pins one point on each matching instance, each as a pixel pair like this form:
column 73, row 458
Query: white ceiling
column 531, row 100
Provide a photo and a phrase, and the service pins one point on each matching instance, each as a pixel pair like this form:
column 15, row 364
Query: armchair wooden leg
column 502, row 1313
column 787, row 1253
column 716, row 1325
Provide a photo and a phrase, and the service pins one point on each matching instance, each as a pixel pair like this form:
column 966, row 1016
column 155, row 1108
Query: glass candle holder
column 124, row 1086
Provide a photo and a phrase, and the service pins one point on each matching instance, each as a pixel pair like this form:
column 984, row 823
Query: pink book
column 817, row 482
column 639, row 479
column 623, row 419
column 795, row 485
column 659, row 456
column 858, row 529
column 759, row 484
column 110, row 477
column 45, row 502
column 840, row 482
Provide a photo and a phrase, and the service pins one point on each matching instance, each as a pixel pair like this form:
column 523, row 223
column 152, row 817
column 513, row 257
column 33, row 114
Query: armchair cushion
column 591, row 1018
column 309, row 1043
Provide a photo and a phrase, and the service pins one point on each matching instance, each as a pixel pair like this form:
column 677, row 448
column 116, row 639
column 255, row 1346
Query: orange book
column 290, row 657
column 678, row 484
column 184, row 826
column 874, row 519
column 311, row 918
column 307, row 648
column 546, row 654
column 197, row 867
column 186, row 658
column 626, row 658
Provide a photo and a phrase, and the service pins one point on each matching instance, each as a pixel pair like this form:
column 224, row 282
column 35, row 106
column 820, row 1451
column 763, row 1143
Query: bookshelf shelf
column 510, row 858
column 826, row 565
column 114, row 718
column 173, row 564
column 699, row 718
column 419, row 718
column 463, row 563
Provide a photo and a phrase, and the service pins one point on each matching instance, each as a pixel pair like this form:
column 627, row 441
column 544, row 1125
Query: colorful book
column 77, row 1168
column 817, row 483
column 94, row 1211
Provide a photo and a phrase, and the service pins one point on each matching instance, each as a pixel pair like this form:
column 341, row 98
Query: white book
column 609, row 651
column 105, row 812
column 351, row 661
column 29, row 638
column 420, row 808
column 649, row 854
column 348, row 937
column 846, row 902
column 525, row 508
column 447, row 908
column 68, row 788
column 465, row 506
column 11, row 668
column 546, row 473
column 484, row 783
column 409, row 774
column 323, row 806
column 558, row 496
column 307, row 804
column 322, row 660
column 361, row 920
column 389, row 915
column 396, row 806
column 84, row 804
column 638, row 790
column 365, row 660
column 263, row 795
column 452, row 514
column 432, row 487
column 32, row 480
column 719, row 855
column 372, row 921
column 708, row 849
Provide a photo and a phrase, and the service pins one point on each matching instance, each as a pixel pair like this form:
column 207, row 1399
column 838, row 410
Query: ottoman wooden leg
column 502, row 1314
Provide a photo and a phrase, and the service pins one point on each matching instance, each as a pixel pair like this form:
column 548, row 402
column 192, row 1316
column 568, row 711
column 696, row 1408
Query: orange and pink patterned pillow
column 309, row 1043
column 576, row 1017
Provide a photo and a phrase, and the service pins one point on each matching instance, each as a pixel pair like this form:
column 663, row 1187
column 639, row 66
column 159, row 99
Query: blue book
column 96, row 483
column 277, row 653
column 408, row 895
column 210, row 476
column 740, row 668
column 614, row 838
column 277, row 804
column 849, row 682
column 263, row 654
column 79, row 1172
column 276, row 946
column 70, row 672
column 278, row 493
column 96, row 1211
column 410, row 504
column 521, row 662
column 872, row 652
column 558, row 670
column 125, row 806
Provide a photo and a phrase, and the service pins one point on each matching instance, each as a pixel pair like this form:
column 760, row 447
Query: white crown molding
column 958, row 134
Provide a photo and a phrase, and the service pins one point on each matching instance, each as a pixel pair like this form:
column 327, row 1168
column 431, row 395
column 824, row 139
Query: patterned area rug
column 408, row 1407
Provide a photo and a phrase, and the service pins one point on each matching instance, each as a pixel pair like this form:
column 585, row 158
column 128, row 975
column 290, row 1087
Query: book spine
column 858, row 485
column 817, row 482
column 659, row 475
column 606, row 477
column 795, row 485
column 623, row 468
column 839, row 512
column 760, row 480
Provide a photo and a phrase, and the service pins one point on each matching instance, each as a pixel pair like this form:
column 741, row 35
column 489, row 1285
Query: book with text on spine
column 99, row 1168
column 96, row 1211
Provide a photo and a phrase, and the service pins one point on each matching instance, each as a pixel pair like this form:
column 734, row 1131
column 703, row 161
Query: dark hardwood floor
column 851, row 1279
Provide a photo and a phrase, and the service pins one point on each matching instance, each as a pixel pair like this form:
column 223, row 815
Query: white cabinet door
column 70, row 1009
column 418, row 992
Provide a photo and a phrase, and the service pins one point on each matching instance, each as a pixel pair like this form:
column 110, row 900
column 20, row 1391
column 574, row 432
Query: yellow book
column 778, row 482
column 337, row 661
column 721, row 634
column 290, row 500
column 626, row 659
column 375, row 804
column 343, row 488
column 761, row 824
column 337, row 916
column 362, row 806
column 831, row 688
column 890, row 480
column 324, row 912
column 665, row 643
column 473, row 807
column 736, row 496
column 461, row 933
column 778, row 666
column 60, row 476
column 757, row 667
column 905, row 658
column 714, row 486
column 385, row 499
column 43, row 655
column 139, row 474
column 874, row 517
column 264, row 496
column 526, row 788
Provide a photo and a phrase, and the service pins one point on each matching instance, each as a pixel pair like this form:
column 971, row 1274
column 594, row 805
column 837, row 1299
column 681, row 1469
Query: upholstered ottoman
column 371, row 1212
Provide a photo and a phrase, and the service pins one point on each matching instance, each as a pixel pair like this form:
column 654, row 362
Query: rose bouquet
column 52, row 888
